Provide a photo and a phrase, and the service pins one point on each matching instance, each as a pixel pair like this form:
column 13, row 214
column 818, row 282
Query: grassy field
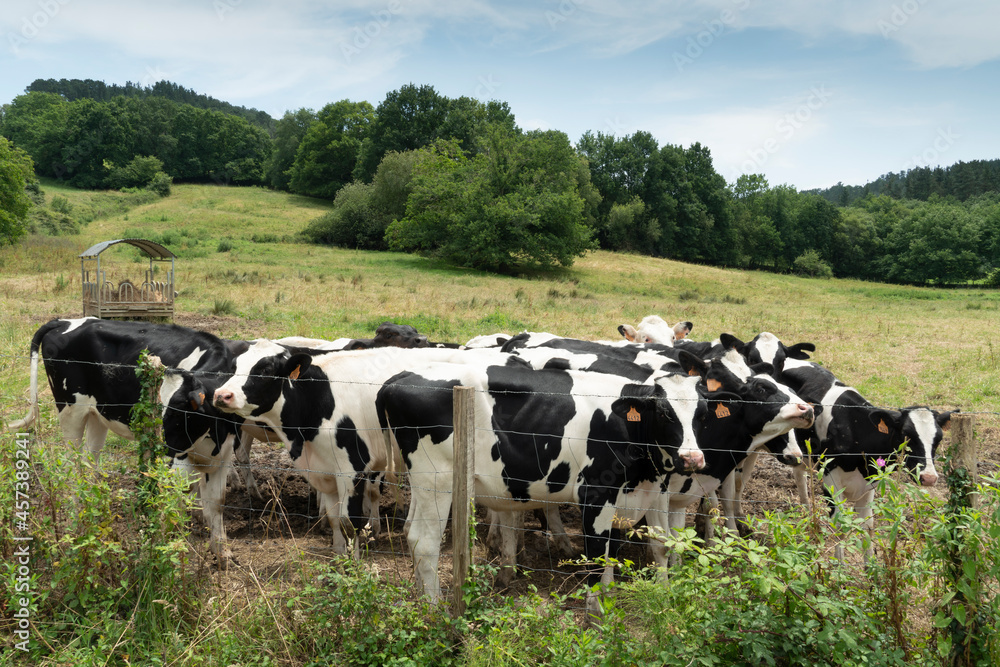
column 898, row 345
column 242, row 274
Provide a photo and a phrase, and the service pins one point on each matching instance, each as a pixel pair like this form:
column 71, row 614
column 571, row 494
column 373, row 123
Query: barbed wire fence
column 288, row 508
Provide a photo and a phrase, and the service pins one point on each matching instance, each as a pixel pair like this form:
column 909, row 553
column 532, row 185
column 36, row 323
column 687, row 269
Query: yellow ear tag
column 713, row 385
column 633, row 415
column 294, row 375
column 721, row 411
column 882, row 428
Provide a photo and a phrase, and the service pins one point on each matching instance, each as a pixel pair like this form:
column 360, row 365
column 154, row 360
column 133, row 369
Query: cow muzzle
column 224, row 400
column 692, row 460
column 928, row 478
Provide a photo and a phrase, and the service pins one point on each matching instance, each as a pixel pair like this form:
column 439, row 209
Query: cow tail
column 36, row 344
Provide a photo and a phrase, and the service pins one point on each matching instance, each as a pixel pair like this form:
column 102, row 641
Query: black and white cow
column 90, row 364
column 856, row 438
column 763, row 416
column 542, row 437
column 322, row 406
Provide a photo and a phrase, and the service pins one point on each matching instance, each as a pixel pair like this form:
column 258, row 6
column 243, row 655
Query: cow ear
column 763, row 367
column 628, row 332
column 885, row 421
column 682, row 329
column 296, row 365
column 731, row 342
column 196, row 398
column 638, row 408
column 799, row 351
column 691, row 364
column 723, row 405
column 943, row 419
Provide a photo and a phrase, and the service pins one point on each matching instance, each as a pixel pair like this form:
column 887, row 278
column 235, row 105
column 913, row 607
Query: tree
column 328, row 152
column 514, row 206
column 936, row 243
column 407, row 119
column 288, row 135
column 362, row 212
column 16, row 170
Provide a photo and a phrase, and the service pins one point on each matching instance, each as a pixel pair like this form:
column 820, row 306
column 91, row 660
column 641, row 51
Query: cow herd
column 627, row 430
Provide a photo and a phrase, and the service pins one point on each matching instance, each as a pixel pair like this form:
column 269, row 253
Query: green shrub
column 811, row 264
column 160, row 184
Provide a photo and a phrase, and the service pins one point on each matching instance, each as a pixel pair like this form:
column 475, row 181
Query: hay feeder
column 148, row 299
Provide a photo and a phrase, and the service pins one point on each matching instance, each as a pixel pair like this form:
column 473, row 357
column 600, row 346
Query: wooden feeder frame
column 151, row 300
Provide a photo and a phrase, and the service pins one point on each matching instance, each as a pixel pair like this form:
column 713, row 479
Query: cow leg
column 96, row 431
column 373, row 495
column 329, row 504
column 511, row 530
column 863, row 506
column 800, row 473
column 557, row 531
column 212, row 489
column 741, row 479
column 430, row 504
column 241, row 474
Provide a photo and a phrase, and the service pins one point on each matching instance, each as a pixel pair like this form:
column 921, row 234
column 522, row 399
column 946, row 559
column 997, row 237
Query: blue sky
column 807, row 93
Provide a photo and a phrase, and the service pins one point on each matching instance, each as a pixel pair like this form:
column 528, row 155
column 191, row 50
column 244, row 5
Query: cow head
column 189, row 419
column 665, row 413
column 768, row 408
column 653, row 329
column 398, row 335
column 922, row 430
column 766, row 348
column 261, row 374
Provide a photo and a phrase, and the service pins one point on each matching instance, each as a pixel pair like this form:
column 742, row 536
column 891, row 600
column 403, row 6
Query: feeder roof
column 154, row 250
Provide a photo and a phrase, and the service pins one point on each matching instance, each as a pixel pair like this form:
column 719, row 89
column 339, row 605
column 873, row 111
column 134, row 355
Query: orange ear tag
column 721, row 411
column 294, row 375
column 633, row 415
column 713, row 385
column 693, row 372
column 882, row 428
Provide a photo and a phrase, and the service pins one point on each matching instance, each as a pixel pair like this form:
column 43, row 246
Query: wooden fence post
column 462, row 490
column 964, row 455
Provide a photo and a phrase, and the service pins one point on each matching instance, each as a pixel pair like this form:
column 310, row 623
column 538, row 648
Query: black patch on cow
column 347, row 438
column 531, row 410
column 416, row 407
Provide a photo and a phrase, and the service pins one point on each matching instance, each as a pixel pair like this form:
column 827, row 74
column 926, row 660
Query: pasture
column 242, row 274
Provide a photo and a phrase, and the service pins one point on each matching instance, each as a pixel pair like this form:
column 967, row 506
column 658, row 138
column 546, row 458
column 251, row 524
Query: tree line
column 960, row 181
column 75, row 89
column 457, row 178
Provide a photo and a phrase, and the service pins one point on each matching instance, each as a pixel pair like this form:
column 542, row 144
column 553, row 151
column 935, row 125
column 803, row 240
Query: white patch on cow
column 735, row 362
column 259, row 349
column 768, row 346
column 539, row 338
column 77, row 323
column 926, row 425
column 488, row 340
column 538, row 357
column 682, row 393
column 171, row 383
column 190, row 361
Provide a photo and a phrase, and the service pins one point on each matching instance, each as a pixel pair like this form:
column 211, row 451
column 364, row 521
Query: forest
column 458, row 179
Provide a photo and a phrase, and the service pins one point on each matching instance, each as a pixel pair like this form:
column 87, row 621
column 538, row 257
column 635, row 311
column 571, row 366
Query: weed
column 223, row 307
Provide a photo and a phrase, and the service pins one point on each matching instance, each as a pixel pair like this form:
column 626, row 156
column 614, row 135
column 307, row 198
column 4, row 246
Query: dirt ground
column 267, row 536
